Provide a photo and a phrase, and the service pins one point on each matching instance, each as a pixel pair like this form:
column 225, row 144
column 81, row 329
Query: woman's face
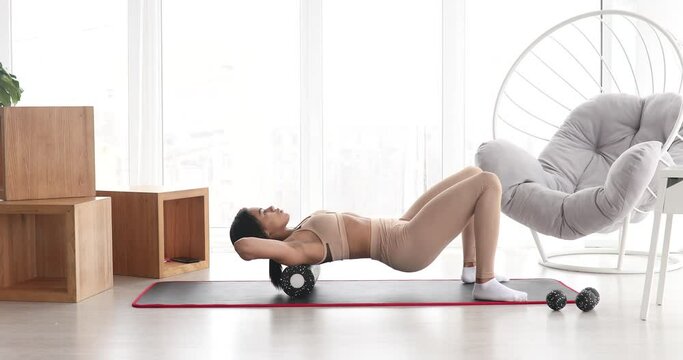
column 272, row 219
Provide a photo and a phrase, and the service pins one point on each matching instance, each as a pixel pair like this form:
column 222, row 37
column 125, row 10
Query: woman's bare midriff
column 358, row 234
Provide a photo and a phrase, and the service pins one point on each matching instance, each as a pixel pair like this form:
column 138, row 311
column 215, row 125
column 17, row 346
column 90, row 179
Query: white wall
column 5, row 35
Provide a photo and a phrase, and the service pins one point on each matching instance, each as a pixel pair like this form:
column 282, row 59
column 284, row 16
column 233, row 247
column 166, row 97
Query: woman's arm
column 250, row 248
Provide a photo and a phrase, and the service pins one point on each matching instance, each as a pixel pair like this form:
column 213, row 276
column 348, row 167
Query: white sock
column 469, row 274
column 495, row 291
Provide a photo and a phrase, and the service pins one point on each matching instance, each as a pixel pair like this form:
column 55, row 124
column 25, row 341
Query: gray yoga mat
column 329, row 293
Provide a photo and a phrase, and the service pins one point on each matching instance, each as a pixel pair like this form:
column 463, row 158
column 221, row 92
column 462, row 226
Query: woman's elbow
column 243, row 251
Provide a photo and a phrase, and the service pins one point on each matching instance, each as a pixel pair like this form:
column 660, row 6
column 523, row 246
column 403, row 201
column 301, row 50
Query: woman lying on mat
column 467, row 202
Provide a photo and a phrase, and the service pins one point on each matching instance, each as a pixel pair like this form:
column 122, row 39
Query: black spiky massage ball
column 556, row 300
column 586, row 300
column 595, row 292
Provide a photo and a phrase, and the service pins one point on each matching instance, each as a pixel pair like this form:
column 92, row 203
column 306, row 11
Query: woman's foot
column 469, row 273
column 495, row 291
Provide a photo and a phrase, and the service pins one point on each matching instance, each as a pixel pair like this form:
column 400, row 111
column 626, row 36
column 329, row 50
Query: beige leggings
column 467, row 202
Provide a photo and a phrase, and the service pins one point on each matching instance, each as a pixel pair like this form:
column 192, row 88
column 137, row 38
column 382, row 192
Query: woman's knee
column 490, row 180
column 472, row 170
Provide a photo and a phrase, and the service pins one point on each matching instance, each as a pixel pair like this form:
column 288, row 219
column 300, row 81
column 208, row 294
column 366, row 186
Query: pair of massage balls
column 586, row 300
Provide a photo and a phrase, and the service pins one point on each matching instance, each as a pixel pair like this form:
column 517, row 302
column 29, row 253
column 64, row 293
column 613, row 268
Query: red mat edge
column 393, row 304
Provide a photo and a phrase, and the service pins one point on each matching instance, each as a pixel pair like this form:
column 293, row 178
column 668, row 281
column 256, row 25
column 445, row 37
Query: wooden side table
column 55, row 250
column 669, row 202
column 152, row 225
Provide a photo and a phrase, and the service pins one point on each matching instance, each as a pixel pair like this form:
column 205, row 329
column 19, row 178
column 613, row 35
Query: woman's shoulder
column 317, row 214
column 326, row 212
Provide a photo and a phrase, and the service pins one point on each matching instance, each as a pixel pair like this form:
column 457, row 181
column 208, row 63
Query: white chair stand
column 669, row 202
column 619, row 253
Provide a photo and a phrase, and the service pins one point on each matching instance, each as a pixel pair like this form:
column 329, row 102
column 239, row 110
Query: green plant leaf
column 12, row 89
column 4, row 97
column 16, row 85
column 8, row 85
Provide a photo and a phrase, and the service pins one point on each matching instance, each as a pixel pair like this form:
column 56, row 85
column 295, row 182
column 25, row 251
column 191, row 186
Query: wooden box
column 46, row 152
column 152, row 225
column 55, row 250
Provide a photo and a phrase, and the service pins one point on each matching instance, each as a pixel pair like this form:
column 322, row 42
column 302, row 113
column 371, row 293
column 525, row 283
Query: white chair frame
column 621, row 251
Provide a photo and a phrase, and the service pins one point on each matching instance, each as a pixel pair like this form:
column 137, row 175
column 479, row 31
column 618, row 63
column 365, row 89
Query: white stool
column 669, row 202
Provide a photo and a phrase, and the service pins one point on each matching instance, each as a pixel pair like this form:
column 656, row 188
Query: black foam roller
column 298, row 290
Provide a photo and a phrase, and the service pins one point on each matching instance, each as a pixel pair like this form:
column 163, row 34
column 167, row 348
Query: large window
column 231, row 102
column 496, row 33
column 381, row 103
column 74, row 53
column 233, row 118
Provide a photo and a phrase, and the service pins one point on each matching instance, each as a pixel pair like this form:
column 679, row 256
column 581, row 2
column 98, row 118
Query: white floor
column 107, row 327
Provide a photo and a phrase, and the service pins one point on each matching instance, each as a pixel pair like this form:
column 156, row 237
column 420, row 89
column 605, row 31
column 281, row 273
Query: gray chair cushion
column 593, row 172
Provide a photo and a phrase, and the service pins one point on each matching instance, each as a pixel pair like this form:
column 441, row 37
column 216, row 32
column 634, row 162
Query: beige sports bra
column 329, row 228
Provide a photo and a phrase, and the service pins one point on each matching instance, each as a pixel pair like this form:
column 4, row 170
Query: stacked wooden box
column 154, row 225
column 55, row 234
